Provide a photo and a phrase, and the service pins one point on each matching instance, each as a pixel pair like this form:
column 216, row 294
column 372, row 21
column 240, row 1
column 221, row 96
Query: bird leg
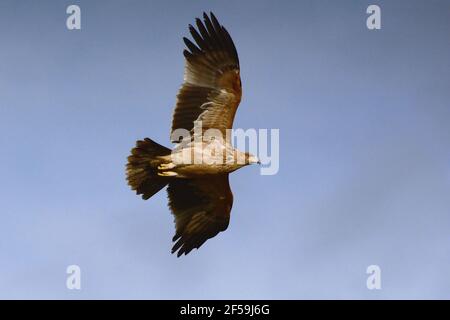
column 167, row 174
column 166, row 166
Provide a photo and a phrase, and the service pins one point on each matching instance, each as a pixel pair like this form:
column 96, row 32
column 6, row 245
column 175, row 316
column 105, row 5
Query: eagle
column 196, row 170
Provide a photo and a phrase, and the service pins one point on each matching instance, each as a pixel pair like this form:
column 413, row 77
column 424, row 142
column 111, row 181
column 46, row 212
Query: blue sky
column 364, row 151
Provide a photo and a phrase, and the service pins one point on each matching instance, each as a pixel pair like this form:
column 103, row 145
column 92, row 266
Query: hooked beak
column 253, row 159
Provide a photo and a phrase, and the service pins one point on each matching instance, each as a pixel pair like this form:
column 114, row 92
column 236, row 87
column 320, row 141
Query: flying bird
column 199, row 193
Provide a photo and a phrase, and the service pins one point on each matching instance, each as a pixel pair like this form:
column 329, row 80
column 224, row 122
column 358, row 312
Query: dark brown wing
column 211, row 91
column 201, row 208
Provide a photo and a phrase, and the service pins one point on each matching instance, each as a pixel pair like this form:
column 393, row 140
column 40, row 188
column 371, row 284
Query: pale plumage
column 199, row 193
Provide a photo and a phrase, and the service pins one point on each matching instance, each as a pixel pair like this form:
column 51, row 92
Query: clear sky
column 364, row 150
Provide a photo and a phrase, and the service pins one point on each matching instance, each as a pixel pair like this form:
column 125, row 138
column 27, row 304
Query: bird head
column 251, row 159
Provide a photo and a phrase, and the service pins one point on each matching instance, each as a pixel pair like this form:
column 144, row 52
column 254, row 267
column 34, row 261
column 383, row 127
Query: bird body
column 196, row 170
column 203, row 158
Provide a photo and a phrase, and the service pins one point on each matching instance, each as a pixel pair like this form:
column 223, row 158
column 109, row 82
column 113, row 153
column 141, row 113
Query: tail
column 142, row 168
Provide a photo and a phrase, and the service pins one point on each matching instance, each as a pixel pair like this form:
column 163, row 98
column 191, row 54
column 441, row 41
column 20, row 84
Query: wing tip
column 211, row 35
column 180, row 249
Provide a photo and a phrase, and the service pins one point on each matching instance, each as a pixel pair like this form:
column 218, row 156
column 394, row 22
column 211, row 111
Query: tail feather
column 142, row 168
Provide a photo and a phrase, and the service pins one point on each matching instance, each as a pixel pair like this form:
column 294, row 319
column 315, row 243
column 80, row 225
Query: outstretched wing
column 211, row 91
column 201, row 208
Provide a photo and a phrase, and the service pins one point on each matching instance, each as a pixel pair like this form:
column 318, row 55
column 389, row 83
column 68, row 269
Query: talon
column 167, row 174
column 166, row 166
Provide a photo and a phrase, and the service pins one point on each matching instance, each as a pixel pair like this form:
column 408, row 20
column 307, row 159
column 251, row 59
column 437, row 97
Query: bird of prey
column 199, row 193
